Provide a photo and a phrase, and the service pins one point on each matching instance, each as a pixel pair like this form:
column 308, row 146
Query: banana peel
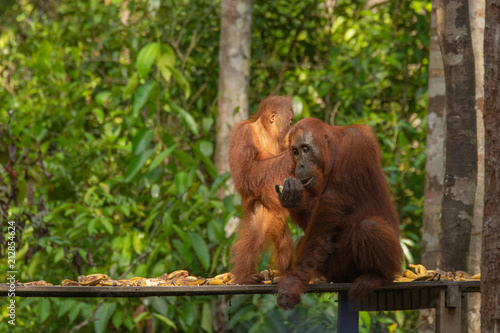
column 421, row 273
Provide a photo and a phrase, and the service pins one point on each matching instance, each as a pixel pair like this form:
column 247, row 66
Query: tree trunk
column 490, row 262
column 476, row 16
column 234, row 71
column 460, row 143
column 434, row 166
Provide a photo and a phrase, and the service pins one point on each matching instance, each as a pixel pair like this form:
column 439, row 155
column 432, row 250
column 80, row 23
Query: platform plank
column 383, row 301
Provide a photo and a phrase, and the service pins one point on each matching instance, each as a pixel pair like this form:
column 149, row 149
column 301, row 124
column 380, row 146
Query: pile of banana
column 176, row 278
column 182, row 278
column 420, row 273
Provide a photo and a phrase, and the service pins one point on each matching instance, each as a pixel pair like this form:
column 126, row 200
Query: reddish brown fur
column 350, row 223
column 258, row 159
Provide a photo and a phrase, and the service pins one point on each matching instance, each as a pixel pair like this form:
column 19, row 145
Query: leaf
column 132, row 83
column 59, row 255
column 142, row 96
column 91, row 226
column 136, row 164
column 206, row 148
column 181, row 81
column 89, row 193
column 160, row 305
column 300, row 107
column 137, row 243
column 155, row 191
column 206, row 318
column 181, row 233
column 141, row 316
column 165, row 320
column 219, row 182
column 117, row 319
column 160, row 158
column 183, row 251
column 102, row 316
column 207, row 161
column 185, row 159
column 201, row 249
column 146, row 58
column 44, row 55
column 141, row 141
column 73, row 313
column 65, row 306
column 181, row 181
column 43, row 309
column 364, row 318
column 166, row 60
column 109, row 227
column 187, row 117
column 207, row 123
column 103, row 98
column 407, row 252
column 349, row 34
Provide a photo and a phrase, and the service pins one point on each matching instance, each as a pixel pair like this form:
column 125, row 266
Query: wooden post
column 448, row 310
column 348, row 321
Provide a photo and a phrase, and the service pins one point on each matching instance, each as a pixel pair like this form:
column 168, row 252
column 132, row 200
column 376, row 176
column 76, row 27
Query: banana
column 92, row 279
column 124, row 282
column 40, row 283
column 108, row 283
column 215, row 282
column 155, row 282
column 174, row 274
column 424, row 278
column 141, row 282
column 225, row 277
column 476, row 277
column 419, row 269
column 462, row 274
column 403, row 279
column 189, row 281
column 409, row 274
column 68, row 282
column 220, row 279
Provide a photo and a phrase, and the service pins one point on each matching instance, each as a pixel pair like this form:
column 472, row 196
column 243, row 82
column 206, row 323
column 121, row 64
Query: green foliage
column 112, row 137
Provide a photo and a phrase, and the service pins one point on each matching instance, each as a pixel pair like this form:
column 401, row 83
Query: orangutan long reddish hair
column 258, row 159
column 341, row 199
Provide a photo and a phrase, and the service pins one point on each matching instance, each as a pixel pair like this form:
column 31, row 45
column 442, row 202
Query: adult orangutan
column 258, row 159
column 341, row 199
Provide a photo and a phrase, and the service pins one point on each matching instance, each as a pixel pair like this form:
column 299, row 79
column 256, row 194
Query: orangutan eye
column 305, row 149
column 295, row 151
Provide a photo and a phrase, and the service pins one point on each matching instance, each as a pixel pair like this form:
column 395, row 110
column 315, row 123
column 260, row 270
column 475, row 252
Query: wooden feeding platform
column 444, row 296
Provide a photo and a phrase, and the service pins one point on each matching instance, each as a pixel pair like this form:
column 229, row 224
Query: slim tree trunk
column 476, row 16
column 460, row 142
column 434, row 166
column 234, row 71
column 490, row 263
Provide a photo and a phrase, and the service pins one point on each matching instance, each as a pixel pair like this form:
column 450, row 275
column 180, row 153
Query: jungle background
column 108, row 114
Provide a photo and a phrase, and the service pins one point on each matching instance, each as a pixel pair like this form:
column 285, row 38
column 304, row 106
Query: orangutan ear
column 272, row 118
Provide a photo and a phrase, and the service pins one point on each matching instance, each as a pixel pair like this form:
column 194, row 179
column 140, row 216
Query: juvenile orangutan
column 258, row 159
